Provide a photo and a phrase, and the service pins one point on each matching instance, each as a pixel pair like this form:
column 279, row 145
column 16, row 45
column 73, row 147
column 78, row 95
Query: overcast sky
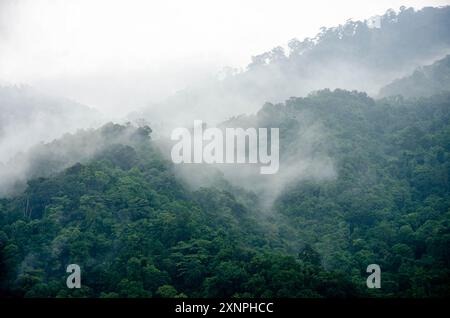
column 119, row 54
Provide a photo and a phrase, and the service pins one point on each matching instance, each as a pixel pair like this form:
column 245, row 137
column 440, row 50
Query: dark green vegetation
column 137, row 231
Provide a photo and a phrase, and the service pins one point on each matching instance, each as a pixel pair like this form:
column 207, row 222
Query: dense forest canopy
column 137, row 230
column 362, row 180
column 357, row 55
column 28, row 117
column 424, row 81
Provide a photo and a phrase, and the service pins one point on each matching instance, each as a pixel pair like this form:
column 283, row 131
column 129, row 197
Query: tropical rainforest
column 110, row 200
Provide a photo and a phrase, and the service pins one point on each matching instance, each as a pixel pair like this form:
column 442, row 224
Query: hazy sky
column 120, row 54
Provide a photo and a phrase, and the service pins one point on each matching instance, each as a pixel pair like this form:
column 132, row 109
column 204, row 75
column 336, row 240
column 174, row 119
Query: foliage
column 137, row 231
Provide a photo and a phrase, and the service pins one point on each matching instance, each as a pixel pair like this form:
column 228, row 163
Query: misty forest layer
column 139, row 231
column 362, row 180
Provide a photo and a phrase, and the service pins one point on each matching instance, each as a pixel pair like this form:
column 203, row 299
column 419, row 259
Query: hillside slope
column 28, row 117
column 425, row 81
column 138, row 230
column 357, row 55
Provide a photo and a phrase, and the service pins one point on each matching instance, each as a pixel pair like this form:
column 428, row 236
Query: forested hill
column 356, row 55
column 138, row 230
column 389, row 204
column 425, row 81
column 389, row 43
column 28, row 117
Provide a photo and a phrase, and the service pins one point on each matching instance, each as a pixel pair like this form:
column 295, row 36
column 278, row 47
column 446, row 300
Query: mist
column 68, row 66
column 304, row 155
column 47, row 159
column 118, row 56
